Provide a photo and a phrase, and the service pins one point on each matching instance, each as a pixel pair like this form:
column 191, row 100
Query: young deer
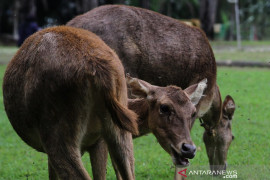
column 167, row 112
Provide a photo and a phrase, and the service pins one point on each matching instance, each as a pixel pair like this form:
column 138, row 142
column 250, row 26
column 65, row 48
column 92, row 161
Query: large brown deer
column 64, row 93
column 163, row 51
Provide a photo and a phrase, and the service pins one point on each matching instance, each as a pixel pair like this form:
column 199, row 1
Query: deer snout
column 188, row 150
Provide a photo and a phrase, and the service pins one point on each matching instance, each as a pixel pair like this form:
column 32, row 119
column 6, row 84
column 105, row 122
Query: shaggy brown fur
column 159, row 50
column 64, row 91
column 153, row 47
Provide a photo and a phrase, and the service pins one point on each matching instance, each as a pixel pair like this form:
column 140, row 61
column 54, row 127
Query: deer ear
column 228, row 107
column 138, row 88
column 195, row 92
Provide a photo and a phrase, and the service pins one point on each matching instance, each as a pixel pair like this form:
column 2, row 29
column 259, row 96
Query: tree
column 145, row 4
column 255, row 18
column 83, row 6
column 102, row 2
column 179, row 9
column 208, row 16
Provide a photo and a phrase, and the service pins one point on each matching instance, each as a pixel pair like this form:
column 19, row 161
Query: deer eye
column 165, row 109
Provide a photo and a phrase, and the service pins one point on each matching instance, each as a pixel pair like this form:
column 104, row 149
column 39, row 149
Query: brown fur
column 159, row 50
column 218, row 139
column 61, row 91
column 150, row 45
column 172, row 129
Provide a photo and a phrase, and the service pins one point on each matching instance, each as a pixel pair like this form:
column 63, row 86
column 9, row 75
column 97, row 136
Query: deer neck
column 141, row 108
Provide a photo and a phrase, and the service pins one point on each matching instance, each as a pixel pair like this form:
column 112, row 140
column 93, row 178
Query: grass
column 251, row 51
column 6, row 53
column 244, row 43
column 257, row 56
column 249, row 151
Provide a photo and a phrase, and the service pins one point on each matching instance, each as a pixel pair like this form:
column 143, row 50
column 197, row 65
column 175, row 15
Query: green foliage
column 255, row 15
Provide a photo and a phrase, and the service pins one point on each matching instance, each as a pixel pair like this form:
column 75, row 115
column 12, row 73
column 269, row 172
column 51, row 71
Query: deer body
column 155, row 48
column 163, row 51
column 64, row 93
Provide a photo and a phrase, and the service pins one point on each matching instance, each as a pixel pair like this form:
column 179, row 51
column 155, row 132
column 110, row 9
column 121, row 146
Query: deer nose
column 188, row 150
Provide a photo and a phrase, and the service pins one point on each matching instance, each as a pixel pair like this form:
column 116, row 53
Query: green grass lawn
column 223, row 50
column 244, row 43
column 251, row 51
column 249, row 153
column 6, row 53
column 257, row 56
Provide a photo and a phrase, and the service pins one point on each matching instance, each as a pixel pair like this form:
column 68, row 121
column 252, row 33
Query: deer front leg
column 99, row 156
column 211, row 121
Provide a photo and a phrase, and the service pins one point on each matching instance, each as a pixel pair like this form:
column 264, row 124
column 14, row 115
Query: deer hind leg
column 121, row 151
column 64, row 158
column 52, row 173
column 117, row 173
column 99, row 156
column 66, row 164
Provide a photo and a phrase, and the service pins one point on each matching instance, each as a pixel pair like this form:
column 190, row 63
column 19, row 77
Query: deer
column 167, row 112
column 64, row 93
column 161, row 50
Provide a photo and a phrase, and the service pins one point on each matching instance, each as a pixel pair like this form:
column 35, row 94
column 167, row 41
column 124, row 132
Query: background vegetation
column 255, row 24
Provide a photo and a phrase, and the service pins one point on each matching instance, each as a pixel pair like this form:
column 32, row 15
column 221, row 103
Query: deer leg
column 117, row 173
column 64, row 157
column 52, row 173
column 121, row 151
column 99, row 156
column 211, row 119
column 67, row 164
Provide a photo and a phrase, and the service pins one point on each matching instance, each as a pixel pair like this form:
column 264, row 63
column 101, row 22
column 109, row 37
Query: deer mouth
column 178, row 159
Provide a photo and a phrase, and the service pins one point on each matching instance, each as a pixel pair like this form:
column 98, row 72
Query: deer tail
column 122, row 116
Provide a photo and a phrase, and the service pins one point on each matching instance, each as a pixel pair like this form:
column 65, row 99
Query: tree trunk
column 83, row 6
column 1, row 14
column 169, row 8
column 232, row 25
column 191, row 8
column 208, row 16
column 78, row 7
column 45, row 4
column 27, row 8
column 145, row 4
column 16, row 20
column 88, row 5
column 118, row 2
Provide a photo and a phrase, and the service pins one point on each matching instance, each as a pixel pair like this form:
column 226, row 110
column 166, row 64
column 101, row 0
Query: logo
column 231, row 174
column 183, row 172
